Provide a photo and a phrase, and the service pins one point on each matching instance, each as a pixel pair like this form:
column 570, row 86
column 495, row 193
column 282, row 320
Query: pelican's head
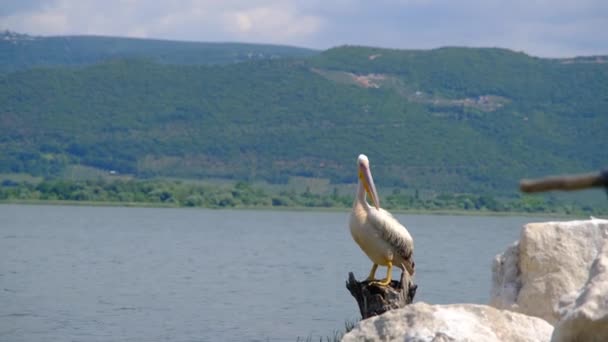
column 365, row 176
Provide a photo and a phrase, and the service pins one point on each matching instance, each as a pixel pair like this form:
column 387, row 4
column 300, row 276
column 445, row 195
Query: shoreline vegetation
column 245, row 196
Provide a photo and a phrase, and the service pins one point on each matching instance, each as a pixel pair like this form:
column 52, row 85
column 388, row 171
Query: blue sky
column 547, row 28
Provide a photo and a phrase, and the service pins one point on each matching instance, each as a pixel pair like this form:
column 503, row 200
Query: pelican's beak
column 368, row 183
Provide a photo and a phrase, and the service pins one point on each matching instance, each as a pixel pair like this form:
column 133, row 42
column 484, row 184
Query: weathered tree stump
column 374, row 300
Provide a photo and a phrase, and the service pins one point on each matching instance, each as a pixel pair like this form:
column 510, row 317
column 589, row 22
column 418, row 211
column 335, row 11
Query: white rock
column 551, row 259
column 505, row 278
column 454, row 322
column 584, row 313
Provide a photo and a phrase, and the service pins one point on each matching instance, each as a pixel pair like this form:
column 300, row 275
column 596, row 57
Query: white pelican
column 385, row 241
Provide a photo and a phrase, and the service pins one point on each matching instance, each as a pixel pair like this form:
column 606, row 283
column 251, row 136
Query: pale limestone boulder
column 454, row 322
column 551, row 259
column 505, row 278
column 584, row 313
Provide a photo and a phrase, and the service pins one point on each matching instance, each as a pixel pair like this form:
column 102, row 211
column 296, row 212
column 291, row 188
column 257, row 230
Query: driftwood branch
column 566, row 182
column 374, row 300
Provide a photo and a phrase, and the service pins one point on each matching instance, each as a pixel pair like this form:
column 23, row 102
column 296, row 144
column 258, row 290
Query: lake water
column 148, row 274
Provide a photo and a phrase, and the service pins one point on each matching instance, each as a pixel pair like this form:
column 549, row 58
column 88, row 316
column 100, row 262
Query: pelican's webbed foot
column 383, row 282
column 386, row 281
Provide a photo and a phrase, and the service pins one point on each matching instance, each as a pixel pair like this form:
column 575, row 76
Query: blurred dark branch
column 565, row 182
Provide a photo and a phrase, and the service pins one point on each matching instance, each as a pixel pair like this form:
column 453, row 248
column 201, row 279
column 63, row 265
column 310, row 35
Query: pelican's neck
column 361, row 195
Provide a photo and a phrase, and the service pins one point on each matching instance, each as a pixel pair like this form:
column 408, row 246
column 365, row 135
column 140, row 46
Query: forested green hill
column 20, row 51
column 451, row 119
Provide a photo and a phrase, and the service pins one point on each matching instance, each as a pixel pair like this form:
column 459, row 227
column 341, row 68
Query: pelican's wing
column 392, row 232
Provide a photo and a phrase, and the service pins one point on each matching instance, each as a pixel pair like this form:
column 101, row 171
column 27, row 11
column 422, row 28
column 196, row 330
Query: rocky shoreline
column 551, row 285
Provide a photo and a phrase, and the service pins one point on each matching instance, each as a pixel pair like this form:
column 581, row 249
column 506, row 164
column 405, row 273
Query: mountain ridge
column 450, row 119
column 21, row 51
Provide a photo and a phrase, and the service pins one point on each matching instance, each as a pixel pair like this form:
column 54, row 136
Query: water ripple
column 140, row 274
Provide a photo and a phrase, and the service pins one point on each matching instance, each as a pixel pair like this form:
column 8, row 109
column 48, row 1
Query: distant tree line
column 244, row 195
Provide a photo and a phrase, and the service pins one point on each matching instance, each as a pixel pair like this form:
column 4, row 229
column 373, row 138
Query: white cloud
column 42, row 21
column 260, row 21
column 539, row 27
column 273, row 24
